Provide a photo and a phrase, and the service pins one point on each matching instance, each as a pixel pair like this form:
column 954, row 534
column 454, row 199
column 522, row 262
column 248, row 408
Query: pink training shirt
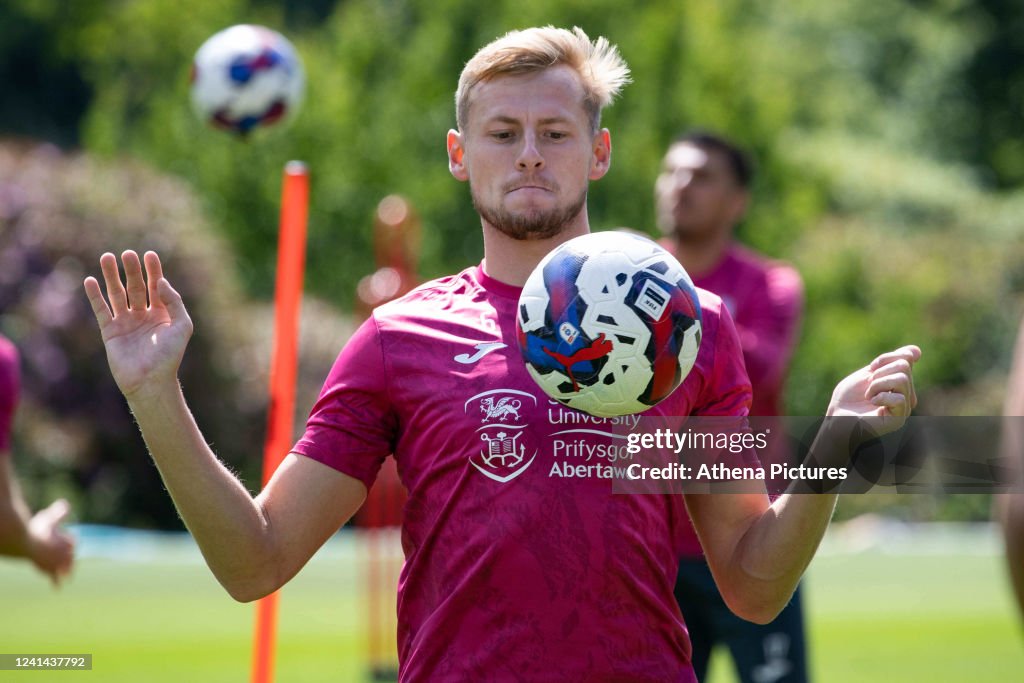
column 519, row 566
column 10, row 385
column 765, row 298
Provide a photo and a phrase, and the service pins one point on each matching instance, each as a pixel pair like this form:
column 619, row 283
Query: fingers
column 98, row 303
column 172, row 300
column 55, row 513
column 61, row 564
column 134, row 281
column 138, row 291
column 63, row 551
column 892, row 403
column 909, row 353
column 154, row 272
column 112, row 278
column 883, row 389
column 66, row 561
column 52, row 548
column 891, row 385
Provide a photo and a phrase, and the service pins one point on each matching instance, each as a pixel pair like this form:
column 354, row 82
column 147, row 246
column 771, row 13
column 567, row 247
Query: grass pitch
column 921, row 607
column 908, row 604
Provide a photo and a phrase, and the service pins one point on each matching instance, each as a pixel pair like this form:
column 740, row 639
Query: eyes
column 506, row 135
column 689, row 175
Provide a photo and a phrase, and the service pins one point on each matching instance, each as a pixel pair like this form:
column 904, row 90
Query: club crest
column 504, row 450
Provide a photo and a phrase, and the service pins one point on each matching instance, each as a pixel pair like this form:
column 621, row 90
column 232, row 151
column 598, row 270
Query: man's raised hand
column 145, row 326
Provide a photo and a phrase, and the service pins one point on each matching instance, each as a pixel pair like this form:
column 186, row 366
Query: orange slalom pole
column 291, row 263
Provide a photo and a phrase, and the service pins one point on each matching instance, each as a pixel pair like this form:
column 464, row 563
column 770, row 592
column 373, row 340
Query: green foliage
column 912, row 252
column 381, row 79
column 45, row 94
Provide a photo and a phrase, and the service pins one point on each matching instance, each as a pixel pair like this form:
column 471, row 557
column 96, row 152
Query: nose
column 529, row 157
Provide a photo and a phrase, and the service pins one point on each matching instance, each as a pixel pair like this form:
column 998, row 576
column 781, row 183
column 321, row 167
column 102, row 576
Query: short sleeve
column 10, row 386
column 352, row 427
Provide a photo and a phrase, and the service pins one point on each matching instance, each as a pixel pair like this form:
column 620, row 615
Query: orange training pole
column 291, row 261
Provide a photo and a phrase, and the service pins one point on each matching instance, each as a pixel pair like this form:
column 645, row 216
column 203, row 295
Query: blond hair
column 601, row 69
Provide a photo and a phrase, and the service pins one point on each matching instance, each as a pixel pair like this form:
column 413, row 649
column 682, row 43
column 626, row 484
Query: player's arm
column 38, row 537
column 13, row 513
column 1010, row 512
column 1009, row 507
column 252, row 545
column 758, row 550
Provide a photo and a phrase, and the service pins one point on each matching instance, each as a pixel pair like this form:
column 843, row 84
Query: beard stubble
column 533, row 224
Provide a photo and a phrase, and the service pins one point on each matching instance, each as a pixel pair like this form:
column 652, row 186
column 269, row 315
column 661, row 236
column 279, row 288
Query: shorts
column 772, row 653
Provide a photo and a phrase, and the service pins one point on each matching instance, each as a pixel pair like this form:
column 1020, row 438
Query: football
column 609, row 323
column 246, row 77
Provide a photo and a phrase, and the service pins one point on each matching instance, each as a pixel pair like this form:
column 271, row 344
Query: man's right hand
column 145, row 327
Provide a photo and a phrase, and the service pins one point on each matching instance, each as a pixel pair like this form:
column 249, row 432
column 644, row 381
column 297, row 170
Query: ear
column 456, row 156
column 739, row 205
column 602, row 154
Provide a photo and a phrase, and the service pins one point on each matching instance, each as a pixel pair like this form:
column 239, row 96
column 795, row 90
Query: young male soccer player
column 38, row 537
column 511, row 573
column 701, row 195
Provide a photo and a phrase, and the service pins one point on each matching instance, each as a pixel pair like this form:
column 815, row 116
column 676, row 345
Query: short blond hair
column 601, row 69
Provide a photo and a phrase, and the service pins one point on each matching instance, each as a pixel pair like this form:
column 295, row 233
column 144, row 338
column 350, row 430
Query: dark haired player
column 701, row 195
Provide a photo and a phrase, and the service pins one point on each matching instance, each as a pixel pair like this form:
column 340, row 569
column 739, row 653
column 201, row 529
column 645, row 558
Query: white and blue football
column 246, row 77
column 609, row 323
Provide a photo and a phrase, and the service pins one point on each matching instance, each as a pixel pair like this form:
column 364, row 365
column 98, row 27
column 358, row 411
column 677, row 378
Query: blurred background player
column 701, row 195
column 1010, row 506
column 396, row 247
column 36, row 537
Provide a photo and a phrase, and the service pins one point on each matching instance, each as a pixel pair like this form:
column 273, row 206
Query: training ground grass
column 908, row 604
column 917, row 607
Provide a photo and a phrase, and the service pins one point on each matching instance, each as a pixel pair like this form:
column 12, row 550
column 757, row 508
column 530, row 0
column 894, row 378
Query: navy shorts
column 773, row 653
